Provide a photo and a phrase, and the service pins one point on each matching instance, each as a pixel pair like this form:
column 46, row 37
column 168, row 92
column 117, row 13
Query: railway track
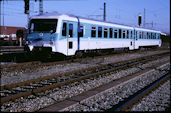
column 106, row 95
column 32, row 64
column 28, row 65
column 11, row 49
column 35, row 86
column 128, row 103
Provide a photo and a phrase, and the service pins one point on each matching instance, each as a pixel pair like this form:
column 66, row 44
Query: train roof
column 88, row 20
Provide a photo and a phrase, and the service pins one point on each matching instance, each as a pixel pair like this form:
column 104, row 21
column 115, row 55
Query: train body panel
column 68, row 34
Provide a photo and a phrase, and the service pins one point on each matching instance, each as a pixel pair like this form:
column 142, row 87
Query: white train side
column 67, row 34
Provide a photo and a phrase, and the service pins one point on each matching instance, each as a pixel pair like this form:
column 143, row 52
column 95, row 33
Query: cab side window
column 70, row 30
column 64, row 29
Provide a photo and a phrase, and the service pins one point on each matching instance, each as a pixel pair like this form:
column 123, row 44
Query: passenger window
column 116, row 33
column 154, row 35
column 99, row 32
column 136, row 35
column 64, row 29
column 81, row 32
column 111, row 32
column 93, row 32
column 127, row 33
column 142, row 35
column 158, row 36
column 70, row 30
column 139, row 35
column 147, row 35
column 131, row 34
column 123, row 33
column 119, row 33
column 105, row 32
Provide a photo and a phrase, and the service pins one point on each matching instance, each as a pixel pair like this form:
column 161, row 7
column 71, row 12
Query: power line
column 13, row 15
column 6, row 8
column 14, row 12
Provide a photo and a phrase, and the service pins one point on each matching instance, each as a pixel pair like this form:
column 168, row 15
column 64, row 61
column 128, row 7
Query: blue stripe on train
column 42, row 37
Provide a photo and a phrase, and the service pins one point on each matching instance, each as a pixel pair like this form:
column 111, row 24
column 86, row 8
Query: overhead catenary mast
column 144, row 18
column 104, row 14
column 40, row 6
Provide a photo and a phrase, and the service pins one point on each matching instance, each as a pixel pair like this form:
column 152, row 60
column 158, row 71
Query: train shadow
column 46, row 57
column 25, row 57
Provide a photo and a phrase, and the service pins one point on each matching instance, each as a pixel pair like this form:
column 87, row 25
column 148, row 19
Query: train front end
column 42, row 35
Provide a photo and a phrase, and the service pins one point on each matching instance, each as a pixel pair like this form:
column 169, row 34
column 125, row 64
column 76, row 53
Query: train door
column 136, row 39
column 132, row 41
column 70, row 39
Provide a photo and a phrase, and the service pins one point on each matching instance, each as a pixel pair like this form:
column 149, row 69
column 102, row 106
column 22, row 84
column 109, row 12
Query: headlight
column 28, row 42
column 51, row 42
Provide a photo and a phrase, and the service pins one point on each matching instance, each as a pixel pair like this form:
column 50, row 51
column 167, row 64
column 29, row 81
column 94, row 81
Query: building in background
column 7, row 32
column 8, row 35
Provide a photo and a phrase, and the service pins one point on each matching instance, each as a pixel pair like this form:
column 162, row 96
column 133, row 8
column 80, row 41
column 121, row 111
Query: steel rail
column 127, row 103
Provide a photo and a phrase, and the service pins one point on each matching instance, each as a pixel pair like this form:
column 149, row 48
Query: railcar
column 69, row 34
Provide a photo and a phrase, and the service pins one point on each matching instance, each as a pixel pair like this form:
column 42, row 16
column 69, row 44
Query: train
column 69, row 35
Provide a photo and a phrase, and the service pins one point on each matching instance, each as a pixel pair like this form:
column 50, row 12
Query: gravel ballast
column 112, row 96
column 34, row 103
column 158, row 100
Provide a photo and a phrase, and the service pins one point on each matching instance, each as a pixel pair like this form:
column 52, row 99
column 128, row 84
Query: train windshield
column 43, row 25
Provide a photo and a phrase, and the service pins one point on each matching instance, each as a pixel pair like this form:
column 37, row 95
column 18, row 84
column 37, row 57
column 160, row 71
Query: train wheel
column 79, row 54
column 126, row 50
column 99, row 52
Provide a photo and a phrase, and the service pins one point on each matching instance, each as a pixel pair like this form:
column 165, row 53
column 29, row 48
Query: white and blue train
column 68, row 34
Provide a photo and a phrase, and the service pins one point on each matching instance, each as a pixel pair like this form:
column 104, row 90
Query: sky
column 157, row 12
